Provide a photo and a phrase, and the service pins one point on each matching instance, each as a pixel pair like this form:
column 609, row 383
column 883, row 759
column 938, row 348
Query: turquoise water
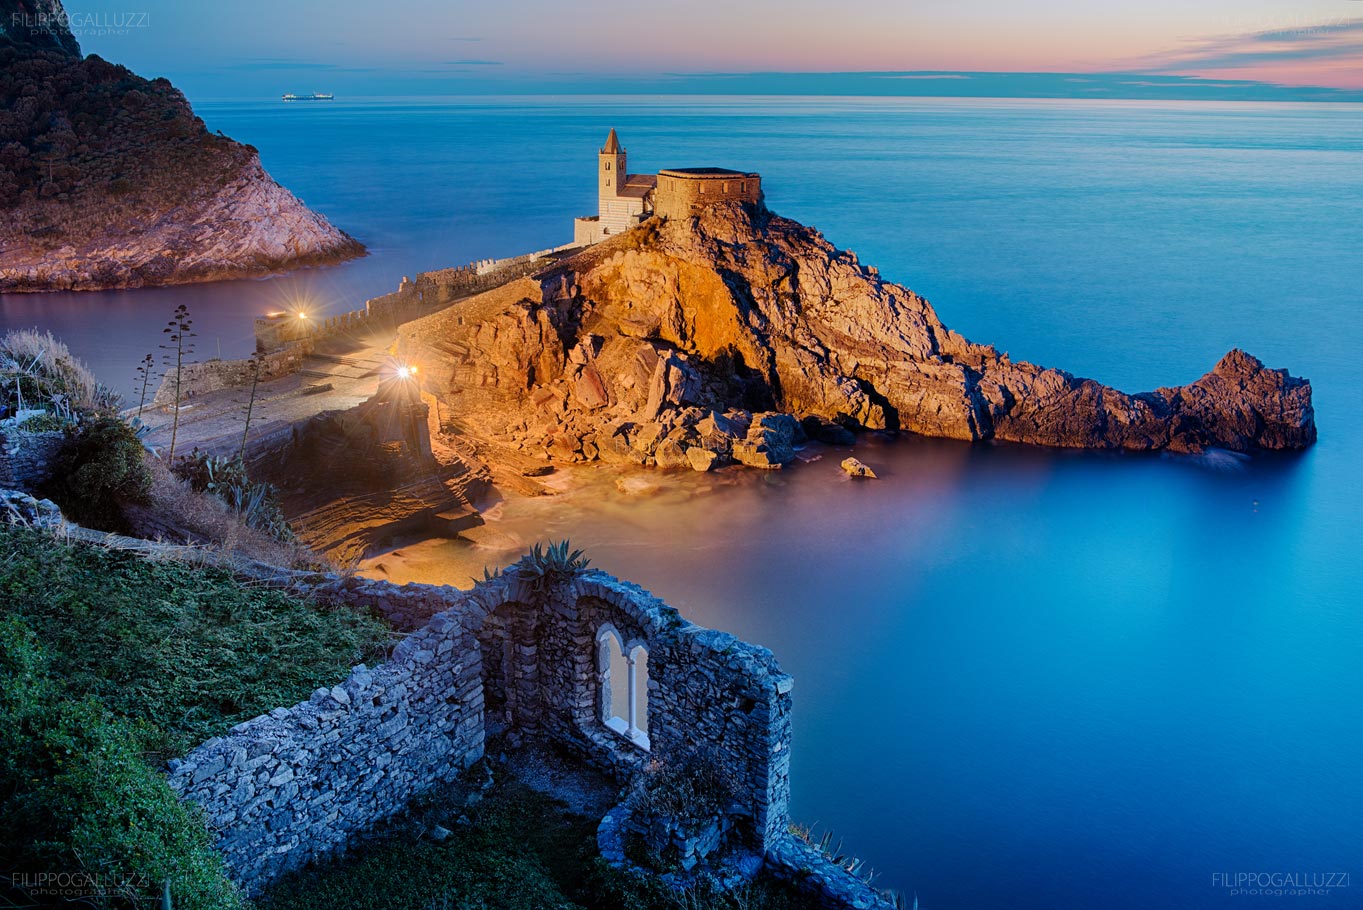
column 1024, row 678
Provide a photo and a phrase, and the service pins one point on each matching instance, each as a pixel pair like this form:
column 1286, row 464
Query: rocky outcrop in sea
column 734, row 334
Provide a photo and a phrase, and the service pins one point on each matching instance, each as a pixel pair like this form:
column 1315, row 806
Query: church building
column 625, row 199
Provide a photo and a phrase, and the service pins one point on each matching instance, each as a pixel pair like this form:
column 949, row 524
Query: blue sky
column 255, row 47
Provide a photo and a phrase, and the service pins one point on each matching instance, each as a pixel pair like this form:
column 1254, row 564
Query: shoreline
column 209, row 275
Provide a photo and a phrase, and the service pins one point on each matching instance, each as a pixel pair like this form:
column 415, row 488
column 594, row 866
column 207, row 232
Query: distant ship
column 315, row 96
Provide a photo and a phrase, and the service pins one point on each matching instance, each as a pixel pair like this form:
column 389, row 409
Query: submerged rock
column 709, row 332
column 855, row 468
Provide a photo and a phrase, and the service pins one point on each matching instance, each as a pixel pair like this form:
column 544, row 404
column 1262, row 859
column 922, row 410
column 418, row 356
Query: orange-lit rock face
column 623, row 351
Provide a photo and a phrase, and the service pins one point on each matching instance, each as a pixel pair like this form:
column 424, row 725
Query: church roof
column 705, row 172
column 612, row 146
column 639, row 185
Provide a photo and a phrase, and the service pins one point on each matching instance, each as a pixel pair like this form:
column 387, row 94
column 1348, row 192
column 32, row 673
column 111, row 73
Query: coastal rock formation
column 701, row 333
column 855, row 468
column 108, row 180
column 351, row 480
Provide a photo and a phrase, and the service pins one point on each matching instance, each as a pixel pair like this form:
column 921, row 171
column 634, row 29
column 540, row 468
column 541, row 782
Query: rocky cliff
column 691, row 342
column 108, row 180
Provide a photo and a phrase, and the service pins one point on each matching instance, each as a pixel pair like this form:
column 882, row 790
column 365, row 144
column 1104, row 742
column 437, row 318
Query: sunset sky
column 430, row 46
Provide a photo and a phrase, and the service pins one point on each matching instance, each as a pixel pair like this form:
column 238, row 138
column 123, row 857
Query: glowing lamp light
column 302, row 315
column 406, row 372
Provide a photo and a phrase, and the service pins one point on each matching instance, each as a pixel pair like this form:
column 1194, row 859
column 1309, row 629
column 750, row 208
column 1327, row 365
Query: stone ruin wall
column 26, row 458
column 216, row 375
column 298, row 783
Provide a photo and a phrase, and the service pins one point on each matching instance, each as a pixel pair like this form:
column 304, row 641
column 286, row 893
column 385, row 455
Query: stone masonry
column 515, row 653
column 26, row 457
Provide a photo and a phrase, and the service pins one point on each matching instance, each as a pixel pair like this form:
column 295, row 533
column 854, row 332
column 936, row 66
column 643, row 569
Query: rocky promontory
column 109, row 180
column 732, row 334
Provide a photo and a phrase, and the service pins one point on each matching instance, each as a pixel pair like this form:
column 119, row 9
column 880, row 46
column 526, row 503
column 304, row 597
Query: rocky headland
column 109, row 180
column 733, row 334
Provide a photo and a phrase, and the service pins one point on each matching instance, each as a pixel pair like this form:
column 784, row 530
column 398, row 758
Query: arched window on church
column 622, row 686
column 608, row 165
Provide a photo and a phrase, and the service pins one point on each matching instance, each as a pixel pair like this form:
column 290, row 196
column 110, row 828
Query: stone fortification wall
column 413, row 299
column 681, row 193
column 215, row 375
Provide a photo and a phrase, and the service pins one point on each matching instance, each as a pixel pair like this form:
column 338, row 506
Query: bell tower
column 610, row 176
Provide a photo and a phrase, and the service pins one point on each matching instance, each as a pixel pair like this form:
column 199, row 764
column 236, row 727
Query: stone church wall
column 680, row 194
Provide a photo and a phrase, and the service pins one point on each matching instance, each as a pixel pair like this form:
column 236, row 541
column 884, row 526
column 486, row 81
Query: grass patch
column 110, row 662
column 522, row 849
column 180, row 652
column 79, row 800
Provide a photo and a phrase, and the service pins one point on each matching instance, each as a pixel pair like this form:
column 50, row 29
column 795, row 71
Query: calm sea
column 1025, row 679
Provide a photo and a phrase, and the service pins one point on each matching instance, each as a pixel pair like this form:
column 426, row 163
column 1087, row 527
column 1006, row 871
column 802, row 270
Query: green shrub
column 256, row 502
column 99, row 468
column 689, row 789
column 43, row 423
column 78, row 798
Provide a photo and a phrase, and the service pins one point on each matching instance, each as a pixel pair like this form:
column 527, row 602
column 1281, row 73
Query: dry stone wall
column 515, row 656
column 298, row 783
column 26, row 458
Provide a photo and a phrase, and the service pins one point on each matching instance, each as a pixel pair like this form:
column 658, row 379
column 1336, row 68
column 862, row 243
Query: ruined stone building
column 598, row 668
column 625, row 199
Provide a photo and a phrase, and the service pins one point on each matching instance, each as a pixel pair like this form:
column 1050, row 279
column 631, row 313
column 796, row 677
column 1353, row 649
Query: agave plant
column 488, row 575
column 835, row 854
column 543, row 565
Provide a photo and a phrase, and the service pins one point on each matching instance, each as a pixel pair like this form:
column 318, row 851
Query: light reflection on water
column 1106, row 663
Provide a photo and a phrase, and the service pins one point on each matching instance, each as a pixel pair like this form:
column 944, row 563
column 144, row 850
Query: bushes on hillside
column 88, row 129
column 38, row 372
column 101, row 466
column 255, row 502
column 76, row 798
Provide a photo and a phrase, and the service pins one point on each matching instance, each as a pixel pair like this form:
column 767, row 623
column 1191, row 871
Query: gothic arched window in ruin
column 622, row 685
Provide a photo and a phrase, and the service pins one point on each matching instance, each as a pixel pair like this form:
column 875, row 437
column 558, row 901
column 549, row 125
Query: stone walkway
column 338, row 376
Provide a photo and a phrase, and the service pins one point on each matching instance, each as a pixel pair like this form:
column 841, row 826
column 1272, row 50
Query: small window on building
column 608, row 165
column 725, row 189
